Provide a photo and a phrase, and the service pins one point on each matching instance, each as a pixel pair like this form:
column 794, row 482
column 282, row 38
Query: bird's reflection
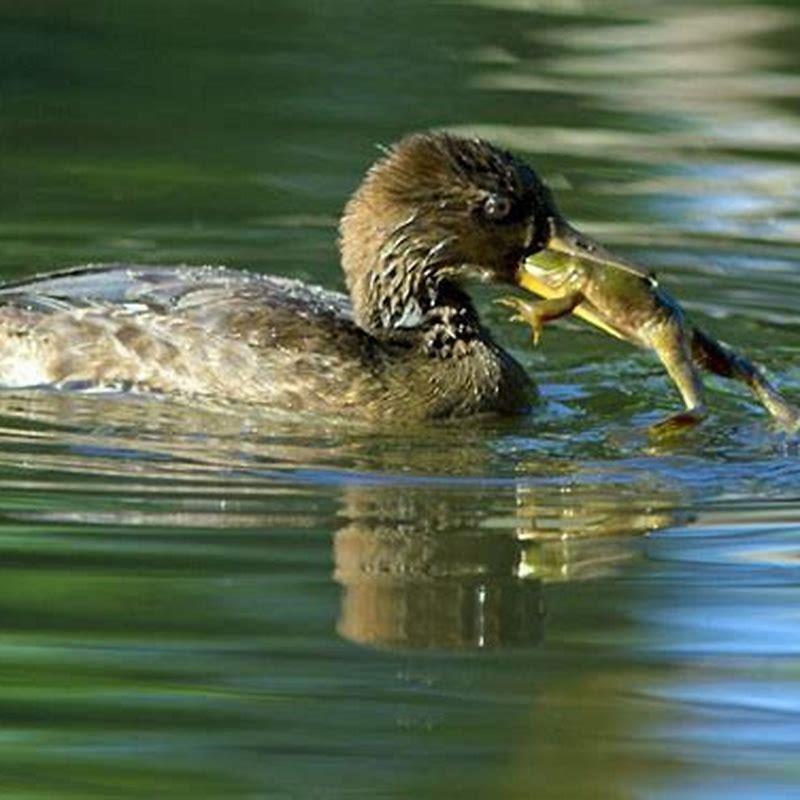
column 416, row 586
column 424, row 569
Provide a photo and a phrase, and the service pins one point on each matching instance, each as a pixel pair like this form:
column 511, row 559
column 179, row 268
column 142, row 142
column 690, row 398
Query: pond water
column 215, row 602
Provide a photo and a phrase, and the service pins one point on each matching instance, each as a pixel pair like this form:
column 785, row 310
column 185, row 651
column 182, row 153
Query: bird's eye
column 496, row 207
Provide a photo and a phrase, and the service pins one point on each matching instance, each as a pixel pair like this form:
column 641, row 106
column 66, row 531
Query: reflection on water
column 458, row 564
column 418, row 590
column 220, row 601
column 420, row 568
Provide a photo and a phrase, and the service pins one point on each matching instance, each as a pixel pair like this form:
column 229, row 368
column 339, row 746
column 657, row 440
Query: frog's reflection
column 455, row 569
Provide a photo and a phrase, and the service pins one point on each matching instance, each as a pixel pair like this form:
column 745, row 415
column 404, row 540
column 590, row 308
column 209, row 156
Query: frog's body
column 574, row 275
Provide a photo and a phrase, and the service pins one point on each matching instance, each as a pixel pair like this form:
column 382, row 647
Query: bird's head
column 438, row 210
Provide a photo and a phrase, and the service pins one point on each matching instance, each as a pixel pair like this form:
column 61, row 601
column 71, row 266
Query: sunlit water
column 223, row 602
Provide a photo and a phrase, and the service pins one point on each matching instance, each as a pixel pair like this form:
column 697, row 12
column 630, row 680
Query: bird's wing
column 160, row 288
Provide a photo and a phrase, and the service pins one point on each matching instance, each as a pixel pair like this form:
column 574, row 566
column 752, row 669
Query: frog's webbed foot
column 676, row 424
column 787, row 416
column 536, row 314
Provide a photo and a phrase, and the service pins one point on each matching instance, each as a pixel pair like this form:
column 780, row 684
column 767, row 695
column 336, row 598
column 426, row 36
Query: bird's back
column 196, row 330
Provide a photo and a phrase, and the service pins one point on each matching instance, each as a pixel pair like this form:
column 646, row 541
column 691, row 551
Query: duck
column 434, row 214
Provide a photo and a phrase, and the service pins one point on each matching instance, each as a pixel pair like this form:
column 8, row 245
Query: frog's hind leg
column 674, row 350
column 721, row 360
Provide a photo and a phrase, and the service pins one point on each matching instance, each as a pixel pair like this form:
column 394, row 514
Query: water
column 217, row 602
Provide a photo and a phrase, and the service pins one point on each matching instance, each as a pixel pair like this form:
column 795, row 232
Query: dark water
column 219, row 603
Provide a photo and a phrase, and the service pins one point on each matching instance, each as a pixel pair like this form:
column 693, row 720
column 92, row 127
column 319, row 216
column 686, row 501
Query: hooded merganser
column 434, row 212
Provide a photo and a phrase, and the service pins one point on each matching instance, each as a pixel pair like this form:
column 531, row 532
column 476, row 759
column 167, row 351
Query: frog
column 573, row 274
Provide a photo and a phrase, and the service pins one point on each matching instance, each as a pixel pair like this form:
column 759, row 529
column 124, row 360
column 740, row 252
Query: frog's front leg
column 538, row 313
column 672, row 346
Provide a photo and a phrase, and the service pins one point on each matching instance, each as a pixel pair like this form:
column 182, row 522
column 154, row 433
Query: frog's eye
column 496, row 207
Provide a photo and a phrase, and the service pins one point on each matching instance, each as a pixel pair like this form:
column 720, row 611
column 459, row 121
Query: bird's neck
column 400, row 283
column 400, row 300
